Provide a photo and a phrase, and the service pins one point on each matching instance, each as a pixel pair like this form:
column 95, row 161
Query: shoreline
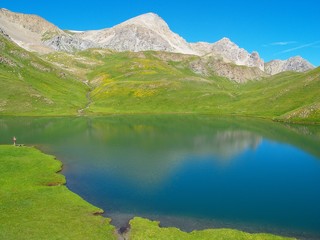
column 189, row 225
column 270, row 119
column 36, row 201
column 53, row 181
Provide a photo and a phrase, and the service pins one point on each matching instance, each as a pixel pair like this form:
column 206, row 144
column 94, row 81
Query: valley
column 191, row 135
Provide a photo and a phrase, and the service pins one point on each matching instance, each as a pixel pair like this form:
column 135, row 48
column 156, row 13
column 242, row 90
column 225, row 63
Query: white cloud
column 283, row 43
column 299, row 47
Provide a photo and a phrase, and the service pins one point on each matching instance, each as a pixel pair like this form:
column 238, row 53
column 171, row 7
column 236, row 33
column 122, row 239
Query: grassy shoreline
column 272, row 119
column 36, row 204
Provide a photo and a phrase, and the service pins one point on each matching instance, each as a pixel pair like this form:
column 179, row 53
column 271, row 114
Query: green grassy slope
column 31, row 86
column 142, row 83
column 287, row 96
column 142, row 229
column 146, row 82
column 36, row 205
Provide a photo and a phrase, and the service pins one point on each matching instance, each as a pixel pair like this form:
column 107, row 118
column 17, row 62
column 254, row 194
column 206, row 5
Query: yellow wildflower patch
column 140, row 93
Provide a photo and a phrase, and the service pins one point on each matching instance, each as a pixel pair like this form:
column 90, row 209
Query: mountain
column 142, row 33
column 148, row 82
column 229, row 52
column 28, row 31
column 150, row 32
column 295, row 64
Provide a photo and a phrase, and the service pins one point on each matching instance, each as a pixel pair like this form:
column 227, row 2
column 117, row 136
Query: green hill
column 287, row 96
column 31, row 86
column 150, row 83
column 147, row 82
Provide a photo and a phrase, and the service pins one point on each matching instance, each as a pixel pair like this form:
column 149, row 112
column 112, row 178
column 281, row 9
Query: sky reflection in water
column 190, row 172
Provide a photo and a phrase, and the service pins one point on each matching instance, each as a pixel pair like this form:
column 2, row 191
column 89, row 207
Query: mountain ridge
column 27, row 30
column 296, row 64
column 230, row 52
column 142, row 33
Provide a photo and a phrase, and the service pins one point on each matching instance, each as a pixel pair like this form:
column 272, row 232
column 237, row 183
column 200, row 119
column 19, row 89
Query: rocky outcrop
column 296, row 64
column 6, row 61
column 4, row 34
column 68, row 43
column 229, row 52
column 208, row 66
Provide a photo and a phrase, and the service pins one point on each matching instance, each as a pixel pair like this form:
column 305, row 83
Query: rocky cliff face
column 296, row 64
column 69, row 43
column 230, row 52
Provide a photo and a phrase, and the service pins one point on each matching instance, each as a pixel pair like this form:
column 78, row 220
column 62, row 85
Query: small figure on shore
column 14, row 141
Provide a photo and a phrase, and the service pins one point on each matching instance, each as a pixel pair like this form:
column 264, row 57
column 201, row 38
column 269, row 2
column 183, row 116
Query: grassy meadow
column 98, row 82
column 31, row 86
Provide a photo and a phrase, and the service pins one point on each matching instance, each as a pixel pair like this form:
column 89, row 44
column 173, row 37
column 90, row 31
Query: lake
column 191, row 172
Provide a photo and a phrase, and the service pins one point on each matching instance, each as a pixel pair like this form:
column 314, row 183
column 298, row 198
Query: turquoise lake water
column 187, row 171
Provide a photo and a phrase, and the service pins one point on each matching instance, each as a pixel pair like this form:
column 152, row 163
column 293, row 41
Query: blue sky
column 277, row 29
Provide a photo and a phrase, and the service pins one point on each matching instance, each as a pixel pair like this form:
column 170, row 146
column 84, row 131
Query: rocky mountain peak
column 297, row 57
column 225, row 41
column 142, row 33
column 231, row 52
column 223, row 46
column 297, row 64
column 148, row 20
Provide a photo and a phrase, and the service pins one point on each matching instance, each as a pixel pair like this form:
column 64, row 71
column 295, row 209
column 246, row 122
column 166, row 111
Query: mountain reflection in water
column 187, row 171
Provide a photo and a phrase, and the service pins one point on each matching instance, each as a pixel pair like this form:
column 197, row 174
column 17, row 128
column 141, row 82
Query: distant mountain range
column 142, row 33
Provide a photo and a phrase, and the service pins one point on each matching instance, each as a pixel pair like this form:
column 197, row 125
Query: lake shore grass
column 36, row 204
column 104, row 114
column 146, row 229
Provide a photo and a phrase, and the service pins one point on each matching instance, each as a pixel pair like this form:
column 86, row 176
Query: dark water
column 186, row 171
